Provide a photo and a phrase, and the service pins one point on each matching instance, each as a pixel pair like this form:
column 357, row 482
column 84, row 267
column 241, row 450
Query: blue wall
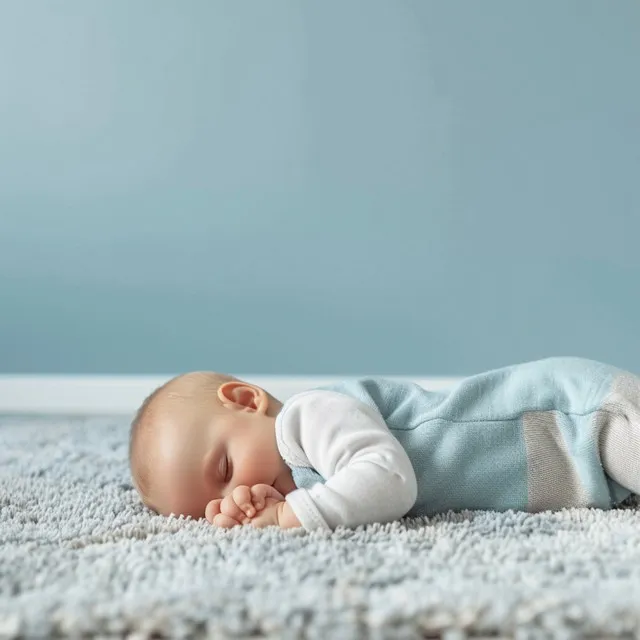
column 341, row 187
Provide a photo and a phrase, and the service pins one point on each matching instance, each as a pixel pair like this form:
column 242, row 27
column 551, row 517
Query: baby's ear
column 241, row 396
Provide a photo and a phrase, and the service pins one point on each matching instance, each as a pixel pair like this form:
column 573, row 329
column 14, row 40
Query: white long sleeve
column 368, row 475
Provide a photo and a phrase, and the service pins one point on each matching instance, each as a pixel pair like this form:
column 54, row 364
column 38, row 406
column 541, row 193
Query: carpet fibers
column 80, row 557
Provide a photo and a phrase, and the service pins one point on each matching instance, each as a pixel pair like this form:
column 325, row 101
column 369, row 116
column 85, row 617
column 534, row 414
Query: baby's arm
column 369, row 477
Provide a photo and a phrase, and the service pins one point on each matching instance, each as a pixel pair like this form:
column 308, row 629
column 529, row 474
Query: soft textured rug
column 80, row 557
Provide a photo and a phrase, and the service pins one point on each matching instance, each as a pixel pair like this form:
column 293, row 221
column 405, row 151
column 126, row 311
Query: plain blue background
column 336, row 187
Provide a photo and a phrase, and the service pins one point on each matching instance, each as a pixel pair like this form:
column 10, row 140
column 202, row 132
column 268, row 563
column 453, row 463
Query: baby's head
column 198, row 437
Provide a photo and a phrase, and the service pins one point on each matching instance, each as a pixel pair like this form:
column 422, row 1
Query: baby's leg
column 619, row 427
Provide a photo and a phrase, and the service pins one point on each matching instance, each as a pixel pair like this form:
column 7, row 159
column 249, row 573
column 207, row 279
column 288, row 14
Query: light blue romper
column 523, row 437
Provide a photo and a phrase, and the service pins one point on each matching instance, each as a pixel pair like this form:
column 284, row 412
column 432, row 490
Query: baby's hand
column 241, row 505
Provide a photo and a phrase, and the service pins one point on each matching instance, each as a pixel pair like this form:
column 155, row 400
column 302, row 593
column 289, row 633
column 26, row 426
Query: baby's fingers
column 238, row 505
column 260, row 493
column 225, row 522
column 217, row 519
column 212, row 510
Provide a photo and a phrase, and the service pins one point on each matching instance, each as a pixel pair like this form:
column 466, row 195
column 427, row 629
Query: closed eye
column 223, row 467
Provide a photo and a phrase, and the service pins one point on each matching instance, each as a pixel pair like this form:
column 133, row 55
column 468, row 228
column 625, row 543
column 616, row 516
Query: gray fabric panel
column 552, row 478
column 618, row 424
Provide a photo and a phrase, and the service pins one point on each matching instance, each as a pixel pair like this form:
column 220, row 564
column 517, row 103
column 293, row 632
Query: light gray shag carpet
column 79, row 556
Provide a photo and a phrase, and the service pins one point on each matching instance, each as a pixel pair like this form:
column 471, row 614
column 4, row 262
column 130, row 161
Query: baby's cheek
column 258, row 472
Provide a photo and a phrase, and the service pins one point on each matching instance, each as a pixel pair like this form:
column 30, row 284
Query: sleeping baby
column 549, row 434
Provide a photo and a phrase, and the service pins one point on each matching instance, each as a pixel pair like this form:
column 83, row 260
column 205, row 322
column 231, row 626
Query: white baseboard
column 124, row 394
